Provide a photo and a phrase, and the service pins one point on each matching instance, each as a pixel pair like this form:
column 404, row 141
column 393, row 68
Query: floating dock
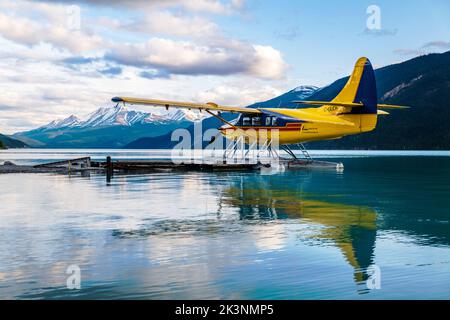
column 86, row 164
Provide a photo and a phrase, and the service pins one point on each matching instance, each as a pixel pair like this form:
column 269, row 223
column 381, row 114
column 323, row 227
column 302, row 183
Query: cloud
column 426, row 48
column 437, row 44
column 188, row 58
column 409, row 52
column 76, row 60
column 154, row 74
column 168, row 23
column 30, row 32
column 210, row 6
column 5, row 107
column 237, row 94
column 111, row 71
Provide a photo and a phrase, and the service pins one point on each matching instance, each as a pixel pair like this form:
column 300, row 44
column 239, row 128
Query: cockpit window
column 274, row 121
column 268, row 121
column 256, row 121
column 234, row 121
column 246, row 121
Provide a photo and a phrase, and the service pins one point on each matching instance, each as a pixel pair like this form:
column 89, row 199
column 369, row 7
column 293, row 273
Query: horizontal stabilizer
column 329, row 103
column 349, row 104
column 391, row 106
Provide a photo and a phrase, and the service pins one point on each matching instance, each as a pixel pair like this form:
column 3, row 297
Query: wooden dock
column 168, row 165
column 86, row 165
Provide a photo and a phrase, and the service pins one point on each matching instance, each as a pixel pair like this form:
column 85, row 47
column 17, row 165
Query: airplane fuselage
column 282, row 125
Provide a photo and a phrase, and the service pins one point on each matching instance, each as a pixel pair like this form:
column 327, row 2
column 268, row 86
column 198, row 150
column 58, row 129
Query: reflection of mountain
column 351, row 228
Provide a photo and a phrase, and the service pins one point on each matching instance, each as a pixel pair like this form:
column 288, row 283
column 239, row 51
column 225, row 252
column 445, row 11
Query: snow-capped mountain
column 68, row 122
column 121, row 116
column 304, row 92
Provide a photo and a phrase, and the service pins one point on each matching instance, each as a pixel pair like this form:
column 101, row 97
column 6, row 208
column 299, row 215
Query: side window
column 268, row 121
column 256, row 121
column 274, row 121
column 246, row 121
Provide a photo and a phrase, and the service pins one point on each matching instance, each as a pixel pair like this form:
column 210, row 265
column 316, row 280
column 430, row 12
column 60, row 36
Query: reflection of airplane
column 354, row 110
column 351, row 228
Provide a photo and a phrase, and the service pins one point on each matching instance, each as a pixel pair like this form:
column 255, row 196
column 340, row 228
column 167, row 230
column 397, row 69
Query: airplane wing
column 348, row 104
column 210, row 106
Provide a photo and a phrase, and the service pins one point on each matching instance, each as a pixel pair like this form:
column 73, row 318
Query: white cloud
column 437, row 44
column 429, row 47
column 268, row 63
column 30, row 32
column 168, row 23
column 185, row 57
column 210, row 6
column 409, row 52
column 237, row 95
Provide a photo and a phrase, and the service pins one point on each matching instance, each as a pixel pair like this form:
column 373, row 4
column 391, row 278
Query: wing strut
column 221, row 119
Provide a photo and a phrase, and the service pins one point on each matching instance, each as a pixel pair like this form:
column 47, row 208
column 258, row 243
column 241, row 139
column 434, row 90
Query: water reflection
column 351, row 228
column 293, row 235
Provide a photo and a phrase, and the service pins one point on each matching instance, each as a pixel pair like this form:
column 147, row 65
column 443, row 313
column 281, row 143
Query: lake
column 297, row 234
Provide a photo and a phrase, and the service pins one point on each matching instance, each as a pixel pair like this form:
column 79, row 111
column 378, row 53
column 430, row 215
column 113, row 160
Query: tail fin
column 360, row 88
column 359, row 95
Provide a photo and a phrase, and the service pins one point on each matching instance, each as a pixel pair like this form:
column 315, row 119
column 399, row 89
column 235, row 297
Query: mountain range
column 107, row 127
column 422, row 83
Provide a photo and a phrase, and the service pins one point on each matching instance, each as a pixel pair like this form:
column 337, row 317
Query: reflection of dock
column 86, row 164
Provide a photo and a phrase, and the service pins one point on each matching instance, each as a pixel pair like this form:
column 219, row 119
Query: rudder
column 360, row 88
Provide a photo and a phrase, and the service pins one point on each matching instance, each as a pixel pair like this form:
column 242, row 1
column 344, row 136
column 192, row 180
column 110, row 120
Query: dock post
column 109, row 168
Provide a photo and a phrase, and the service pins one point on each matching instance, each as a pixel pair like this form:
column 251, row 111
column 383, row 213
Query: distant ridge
column 8, row 142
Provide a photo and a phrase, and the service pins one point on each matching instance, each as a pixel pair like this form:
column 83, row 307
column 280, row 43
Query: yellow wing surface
column 210, row 106
column 349, row 104
column 300, row 114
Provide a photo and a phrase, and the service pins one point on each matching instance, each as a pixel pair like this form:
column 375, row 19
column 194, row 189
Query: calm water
column 288, row 235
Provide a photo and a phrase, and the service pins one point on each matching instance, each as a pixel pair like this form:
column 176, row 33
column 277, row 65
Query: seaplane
column 354, row 110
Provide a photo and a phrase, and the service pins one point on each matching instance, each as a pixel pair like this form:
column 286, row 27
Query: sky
column 59, row 58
